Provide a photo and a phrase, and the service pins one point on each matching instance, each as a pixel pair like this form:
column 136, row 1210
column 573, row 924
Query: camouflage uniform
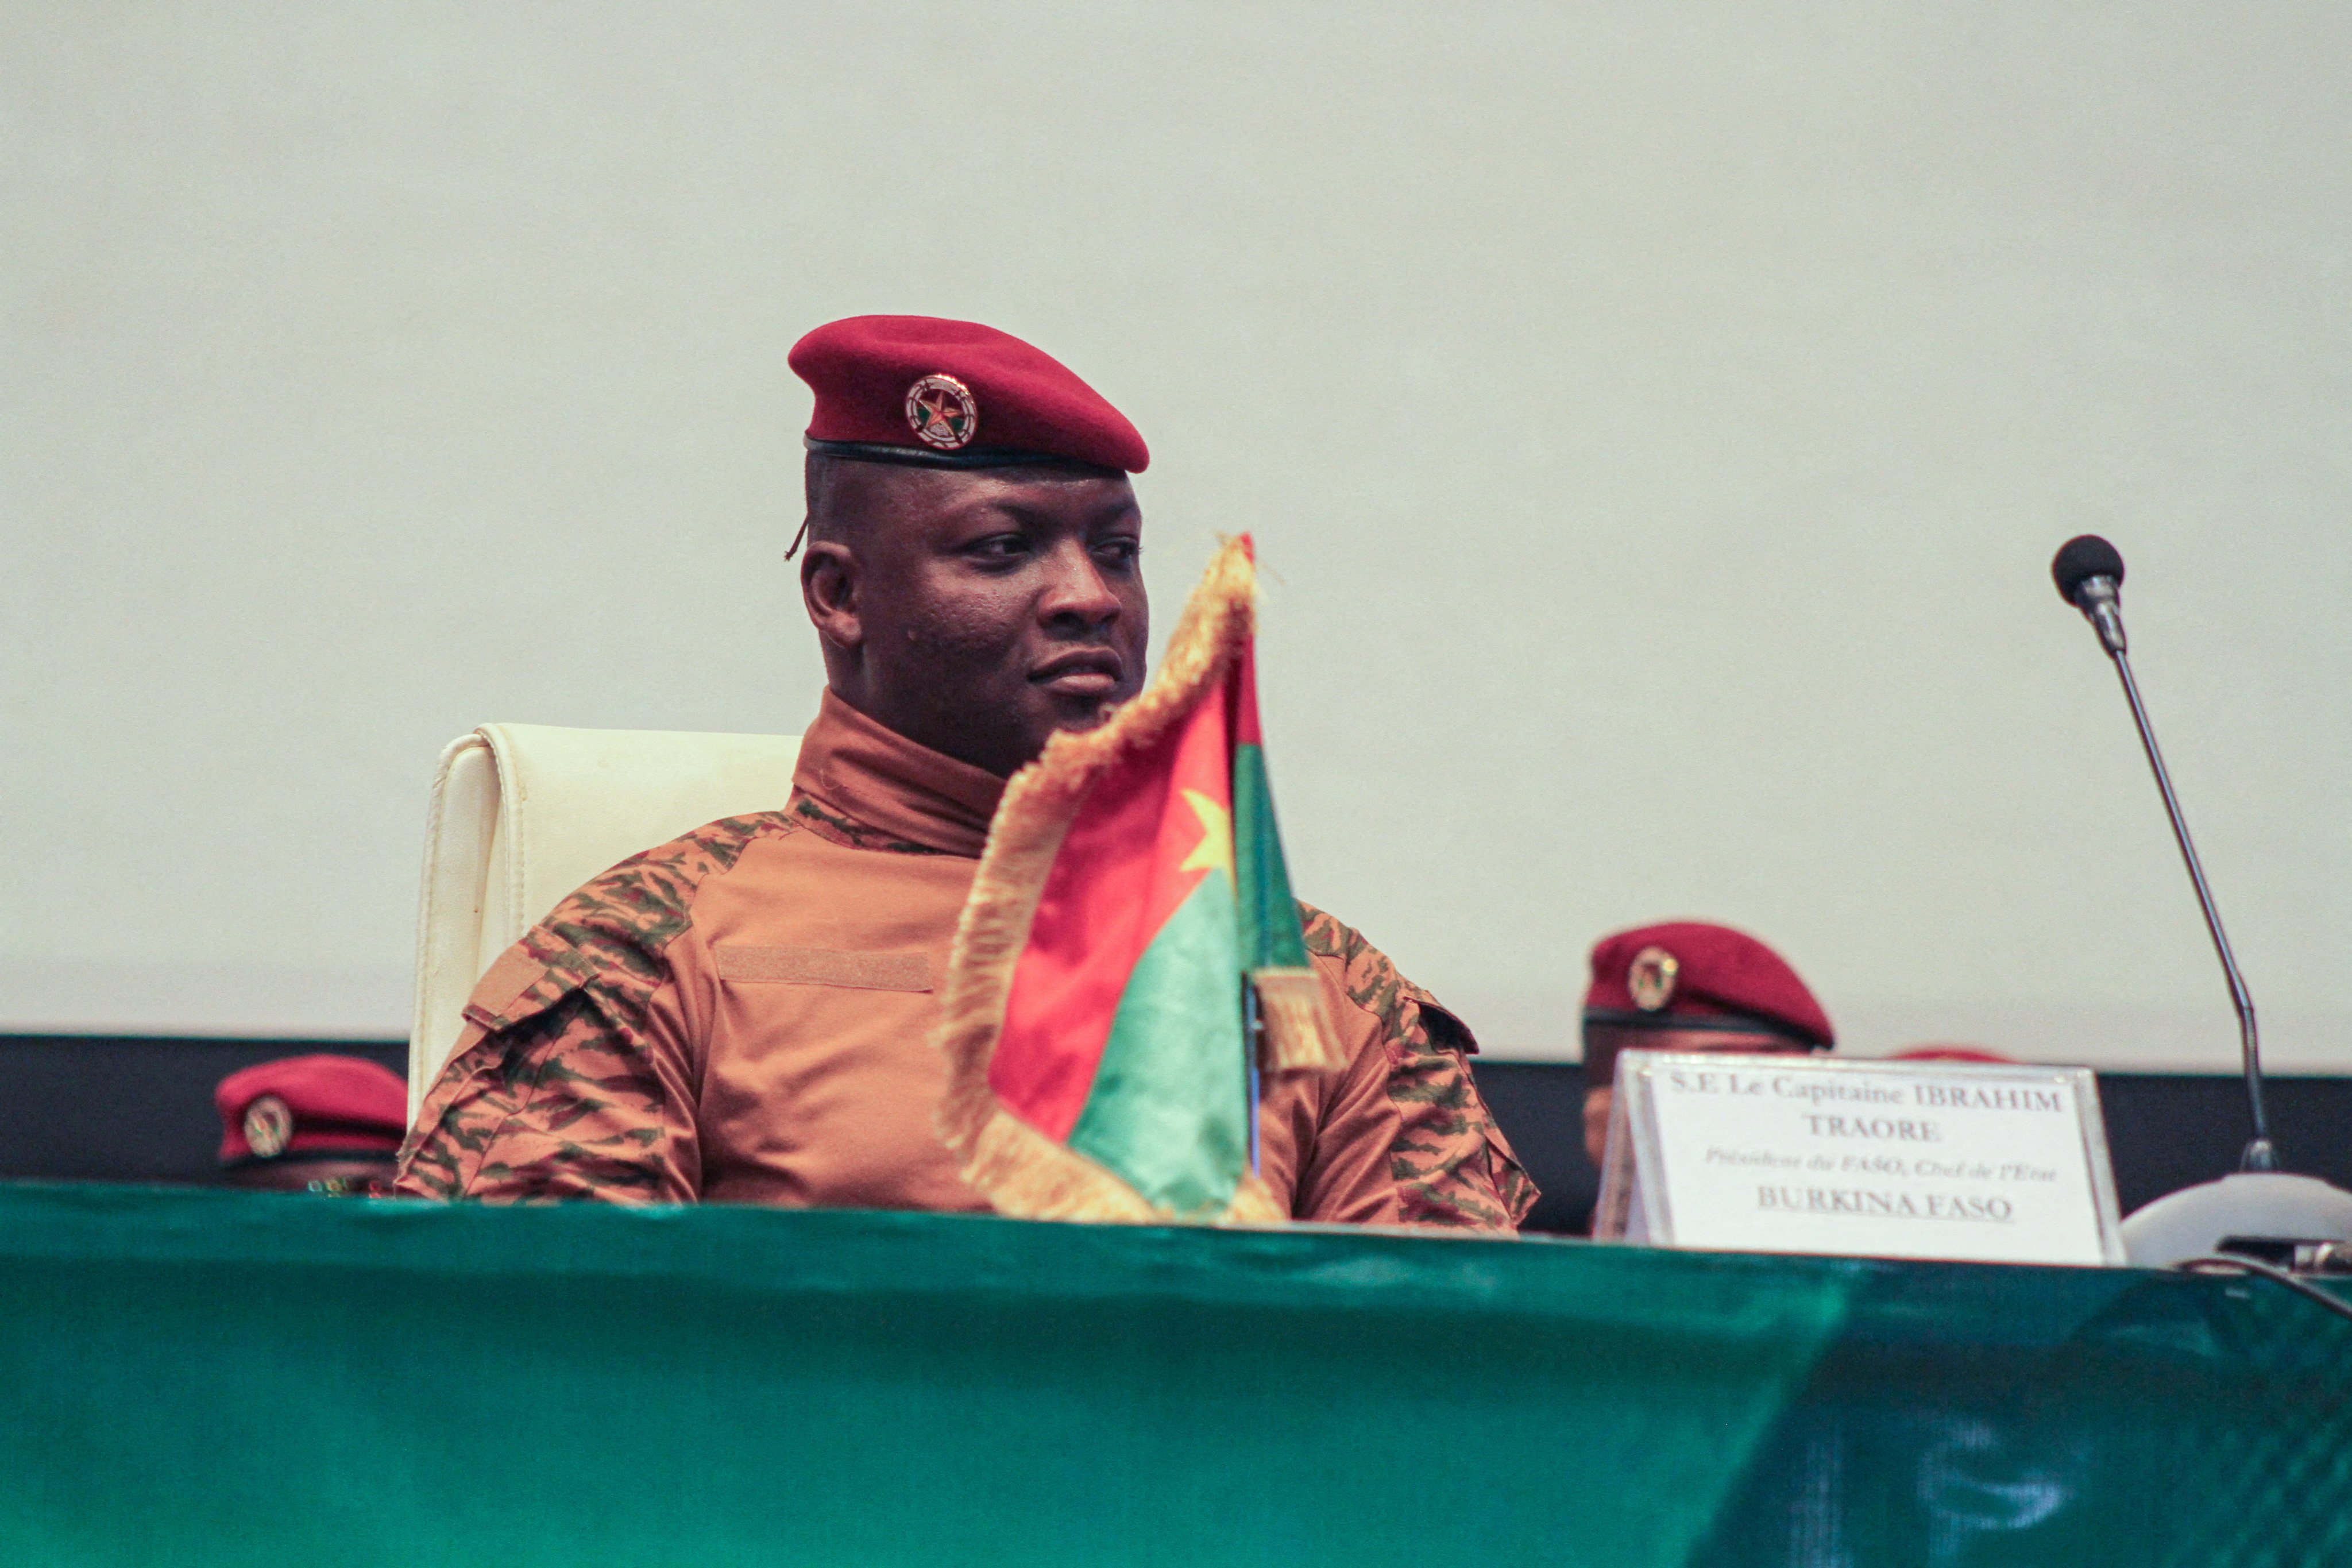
column 1451, row 1162
column 597, row 1059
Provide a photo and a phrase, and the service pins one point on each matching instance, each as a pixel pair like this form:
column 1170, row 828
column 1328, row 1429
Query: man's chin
column 1082, row 713
column 1048, row 714
column 1093, row 718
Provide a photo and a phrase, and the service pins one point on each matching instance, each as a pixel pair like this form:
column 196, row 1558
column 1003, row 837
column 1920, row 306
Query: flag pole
column 1253, row 1027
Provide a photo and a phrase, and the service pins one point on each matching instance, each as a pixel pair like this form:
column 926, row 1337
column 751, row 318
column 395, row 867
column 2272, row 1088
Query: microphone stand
column 2260, row 1155
column 2261, row 1212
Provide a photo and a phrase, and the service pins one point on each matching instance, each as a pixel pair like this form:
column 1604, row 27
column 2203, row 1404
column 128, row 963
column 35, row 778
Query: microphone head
column 2082, row 558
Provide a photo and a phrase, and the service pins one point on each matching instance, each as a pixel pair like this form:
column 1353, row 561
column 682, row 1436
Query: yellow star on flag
column 1215, row 850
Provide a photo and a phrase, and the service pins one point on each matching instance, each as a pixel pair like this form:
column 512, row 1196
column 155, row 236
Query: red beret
column 1951, row 1053
column 1689, row 969
column 306, row 1105
column 954, row 393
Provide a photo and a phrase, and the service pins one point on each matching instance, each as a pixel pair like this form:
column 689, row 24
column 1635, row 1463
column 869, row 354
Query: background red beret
column 1714, row 971
column 956, row 393
column 317, row 1104
column 1949, row 1054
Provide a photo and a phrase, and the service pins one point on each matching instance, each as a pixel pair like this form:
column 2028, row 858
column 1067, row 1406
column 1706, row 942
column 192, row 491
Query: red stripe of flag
column 1115, row 882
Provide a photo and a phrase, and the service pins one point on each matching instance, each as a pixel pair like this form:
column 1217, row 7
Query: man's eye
column 1119, row 552
column 1000, row 547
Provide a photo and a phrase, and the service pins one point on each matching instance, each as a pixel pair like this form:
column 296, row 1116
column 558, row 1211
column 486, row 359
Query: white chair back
column 523, row 814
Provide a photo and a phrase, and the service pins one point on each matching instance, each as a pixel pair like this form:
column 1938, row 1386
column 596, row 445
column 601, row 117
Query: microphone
column 2090, row 577
column 2089, row 573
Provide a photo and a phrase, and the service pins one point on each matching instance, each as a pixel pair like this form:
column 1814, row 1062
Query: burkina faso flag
column 1131, row 950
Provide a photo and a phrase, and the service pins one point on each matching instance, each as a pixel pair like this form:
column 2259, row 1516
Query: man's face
column 978, row 611
column 1603, row 1043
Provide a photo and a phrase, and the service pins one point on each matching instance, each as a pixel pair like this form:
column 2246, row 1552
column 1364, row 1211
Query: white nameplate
column 1784, row 1153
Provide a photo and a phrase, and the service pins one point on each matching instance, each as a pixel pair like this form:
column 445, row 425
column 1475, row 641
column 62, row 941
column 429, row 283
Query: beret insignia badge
column 268, row 1127
column 1652, row 978
column 942, row 413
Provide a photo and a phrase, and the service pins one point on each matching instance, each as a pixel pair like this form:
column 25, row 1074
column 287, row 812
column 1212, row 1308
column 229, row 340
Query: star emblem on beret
column 268, row 1126
column 942, row 412
column 1652, row 978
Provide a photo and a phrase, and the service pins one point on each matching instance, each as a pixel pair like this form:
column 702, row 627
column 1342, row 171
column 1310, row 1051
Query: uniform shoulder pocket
column 1446, row 1032
column 521, row 986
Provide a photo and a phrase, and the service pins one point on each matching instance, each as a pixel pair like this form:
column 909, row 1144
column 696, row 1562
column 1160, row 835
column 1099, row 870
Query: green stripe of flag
column 1170, row 1113
column 1270, row 937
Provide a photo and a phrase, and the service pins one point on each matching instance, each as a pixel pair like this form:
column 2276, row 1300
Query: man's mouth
column 1084, row 672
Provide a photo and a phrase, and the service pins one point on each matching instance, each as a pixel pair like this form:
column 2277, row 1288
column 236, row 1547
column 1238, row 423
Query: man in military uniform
column 1687, row 986
column 745, row 1013
column 324, row 1124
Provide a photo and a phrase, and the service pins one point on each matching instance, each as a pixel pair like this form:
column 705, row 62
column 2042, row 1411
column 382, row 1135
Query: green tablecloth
column 196, row 1378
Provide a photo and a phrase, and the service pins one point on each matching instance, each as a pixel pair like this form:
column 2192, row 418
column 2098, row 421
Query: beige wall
column 1657, row 421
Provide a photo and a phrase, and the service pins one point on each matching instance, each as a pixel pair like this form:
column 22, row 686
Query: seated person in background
column 1687, row 986
column 327, row 1124
column 746, row 1014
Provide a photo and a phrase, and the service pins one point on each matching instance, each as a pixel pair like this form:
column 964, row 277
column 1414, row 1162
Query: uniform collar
column 877, row 776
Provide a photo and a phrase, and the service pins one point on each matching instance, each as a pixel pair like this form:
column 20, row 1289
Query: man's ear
column 829, row 589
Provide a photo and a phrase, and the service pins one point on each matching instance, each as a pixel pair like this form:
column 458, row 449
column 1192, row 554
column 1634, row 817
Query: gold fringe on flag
column 1299, row 1035
column 1018, row 1169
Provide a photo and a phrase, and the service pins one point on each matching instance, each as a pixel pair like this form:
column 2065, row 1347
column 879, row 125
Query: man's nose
column 1077, row 595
